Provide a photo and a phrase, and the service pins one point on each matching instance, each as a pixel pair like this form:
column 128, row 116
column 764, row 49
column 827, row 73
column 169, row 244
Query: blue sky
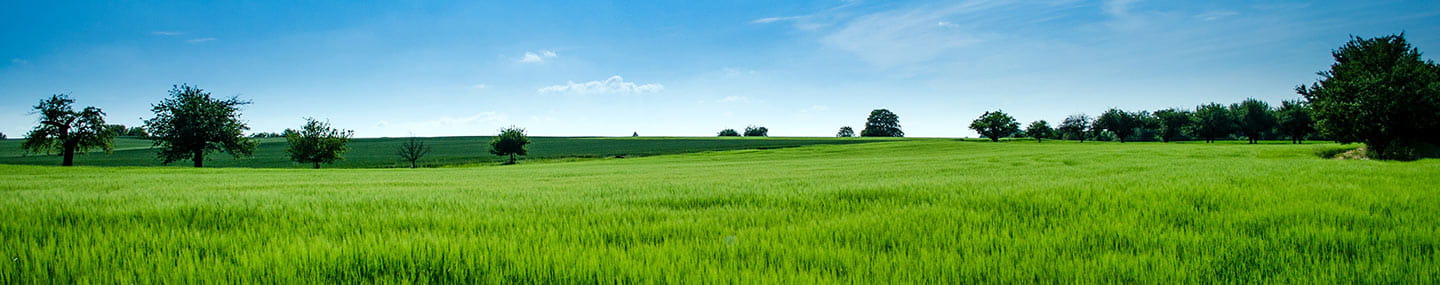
column 680, row 68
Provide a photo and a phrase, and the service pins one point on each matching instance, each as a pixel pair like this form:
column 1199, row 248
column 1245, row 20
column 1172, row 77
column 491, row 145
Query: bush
column 753, row 131
column 729, row 133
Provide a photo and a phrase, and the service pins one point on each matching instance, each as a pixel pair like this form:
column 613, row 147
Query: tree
column 64, row 130
column 1380, row 92
column 1254, row 118
column 845, row 132
column 1293, row 120
column 317, row 143
column 1172, row 123
column 1038, row 130
column 995, row 125
column 1075, row 126
column 511, row 141
column 729, row 133
column 191, row 124
column 1119, row 122
column 2, row 136
column 412, row 150
column 753, row 131
column 882, row 123
column 1213, row 121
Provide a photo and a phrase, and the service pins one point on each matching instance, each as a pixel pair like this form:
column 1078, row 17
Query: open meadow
column 908, row 211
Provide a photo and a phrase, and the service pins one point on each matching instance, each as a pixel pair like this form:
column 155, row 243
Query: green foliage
column 1172, row 123
column 882, row 123
column 262, row 135
column 1122, row 124
column 66, row 131
column 190, row 124
column 1293, row 120
column 511, row 141
column 1254, row 118
column 2, row 136
column 1038, row 130
column 1213, row 121
column 845, row 132
column 1075, row 127
column 317, row 143
column 1380, row 92
column 754, row 131
column 729, row 133
column 995, row 125
column 412, row 151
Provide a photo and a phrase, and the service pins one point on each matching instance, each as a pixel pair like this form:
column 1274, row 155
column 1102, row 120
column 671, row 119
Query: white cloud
column 167, row 33
column 537, row 57
column 946, row 24
column 17, row 61
column 776, row 19
column 734, row 99
column 1118, row 8
column 200, row 40
column 480, row 86
column 908, row 36
column 1215, row 15
column 612, row 85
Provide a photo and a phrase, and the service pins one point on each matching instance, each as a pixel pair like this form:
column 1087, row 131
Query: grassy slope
column 380, row 152
column 937, row 211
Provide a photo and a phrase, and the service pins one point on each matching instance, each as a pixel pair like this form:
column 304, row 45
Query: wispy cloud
column 612, row 85
column 776, row 19
column 537, row 57
column 734, row 99
column 907, row 36
column 815, row 109
column 1118, row 8
column 480, row 86
column 167, row 33
column 1216, row 15
column 17, row 61
column 200, row 40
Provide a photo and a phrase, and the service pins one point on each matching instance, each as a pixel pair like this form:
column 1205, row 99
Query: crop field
column 921, row 211
column 447, row 151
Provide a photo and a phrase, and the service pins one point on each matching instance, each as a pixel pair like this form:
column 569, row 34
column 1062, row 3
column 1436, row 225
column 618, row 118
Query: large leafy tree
column 995, row 125
column 1379, row 92
column 882, row 123
column 845, row 132
column 1293, row 120
column 511, row 142
column 66, row 131
column 1075, row 126
column 729, row 133
column 1213, row 121
column 1038, row 130
column 1172, row 123
column 317, row 143
column 1119, row 122
column 754, row 131
column 190, row 124
column 1254, row 118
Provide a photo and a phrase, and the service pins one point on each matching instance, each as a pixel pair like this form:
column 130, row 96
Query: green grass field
column 447, row 151
column 912, row 211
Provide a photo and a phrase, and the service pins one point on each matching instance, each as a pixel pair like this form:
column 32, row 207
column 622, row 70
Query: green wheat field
column 730, row 211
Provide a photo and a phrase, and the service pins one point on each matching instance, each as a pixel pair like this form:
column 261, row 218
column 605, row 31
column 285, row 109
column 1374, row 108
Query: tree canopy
column 1254, row 118
column 1380, row 92
column 63, row 129
column 729, row 133
column 845, row 132
column 317, row 143
column 191, row 124
column 1293, row 120
column 1119, row 122
column 1213, row 121
column 882, row 123
column 754, row 131
column 1172, row 123
column 511, row 141
column 1075, row 126
column 995, row 125
column 1038, row 130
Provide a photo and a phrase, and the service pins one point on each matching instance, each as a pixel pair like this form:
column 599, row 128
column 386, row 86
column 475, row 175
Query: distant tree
column 138, row 132
column 1075, row 126
column 636, row 134
column 1213, row 121
column 116, row 129
column 191, row 124
column 1119, row 122
column 2, row 136
column 754, row 131
column 1038, row 130
column 1293, row 120
column 412, row 150
column 1172, row 123
column 845, row 132
column 511, row 141
column 882, row 123
column 317, row 143
column 1380, row 92
column 995, row 125
column 1254, row 118
column 64, row 130
column 261, row 135
column 729, row 133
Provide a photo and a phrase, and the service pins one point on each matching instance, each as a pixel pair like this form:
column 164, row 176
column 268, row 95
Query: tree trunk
column 512, row 158
column 317, row 165
column 412, row 164
column 68, row 152
column 199, row 158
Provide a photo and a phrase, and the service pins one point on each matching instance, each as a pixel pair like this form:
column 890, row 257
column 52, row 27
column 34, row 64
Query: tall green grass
column 932, row 211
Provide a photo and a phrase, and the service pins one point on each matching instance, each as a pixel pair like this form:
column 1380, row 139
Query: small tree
column 191, row 124
column 1213, row 121
column 64, row 130
column 1293, row 120
column 845, row 132
column 1172, row 123
column 1381, row 92
column 1038, row 130
column 2, row 136
column 1254, row 118
column 754, row 131
column 511, row 141
column 412, row 150
column 1121, row 123
column 729, row 133
column 317, row 143
column 1075, row 126
column 882, row 123
column 995, row 125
